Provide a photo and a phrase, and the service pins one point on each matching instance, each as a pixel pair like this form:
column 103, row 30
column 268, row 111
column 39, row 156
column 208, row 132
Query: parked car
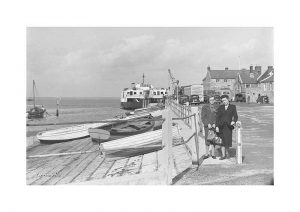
column 262, row 100
column 240, row 97
column 194, row 100
column 183, row 99
column 218, row 99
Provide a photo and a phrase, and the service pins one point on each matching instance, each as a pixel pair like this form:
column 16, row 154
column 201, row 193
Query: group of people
column 222, row 119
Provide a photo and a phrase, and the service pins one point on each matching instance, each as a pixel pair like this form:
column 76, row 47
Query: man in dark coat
column 225, row 121
column 208, row 118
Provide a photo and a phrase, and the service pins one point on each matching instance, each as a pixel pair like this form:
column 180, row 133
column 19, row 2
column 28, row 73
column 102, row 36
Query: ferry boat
column 140, row 95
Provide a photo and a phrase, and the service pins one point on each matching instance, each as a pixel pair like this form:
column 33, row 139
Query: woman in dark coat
column 208, row 117
column 225, row 120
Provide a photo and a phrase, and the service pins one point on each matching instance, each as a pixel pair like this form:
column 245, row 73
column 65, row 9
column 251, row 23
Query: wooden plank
column 102, row 169
column 40, row 162
column 78, row 169
column 49, row 172
column 66, row 169
column 90, row 169
column 152, row 178
column 183, row 165
column 179, row 149
column 45, row 172
column 166, row 159
column 149, row 158
column 31, row 163
column 133, row 166
column 118, row 168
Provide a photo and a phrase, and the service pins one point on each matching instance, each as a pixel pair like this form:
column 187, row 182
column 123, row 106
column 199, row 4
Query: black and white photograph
column 150, row 105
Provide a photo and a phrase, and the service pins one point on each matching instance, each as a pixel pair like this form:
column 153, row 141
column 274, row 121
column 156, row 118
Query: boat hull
column 131, row 105
column 122, row 130
column 138, row 144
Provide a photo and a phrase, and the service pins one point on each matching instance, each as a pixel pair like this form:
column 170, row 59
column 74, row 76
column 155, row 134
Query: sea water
column 74, row 110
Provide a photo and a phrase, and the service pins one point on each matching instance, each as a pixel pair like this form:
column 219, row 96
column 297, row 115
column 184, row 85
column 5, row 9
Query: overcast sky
column 100, row 62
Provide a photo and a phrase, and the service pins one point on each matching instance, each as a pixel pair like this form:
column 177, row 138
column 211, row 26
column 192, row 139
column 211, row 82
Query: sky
column 101, row 61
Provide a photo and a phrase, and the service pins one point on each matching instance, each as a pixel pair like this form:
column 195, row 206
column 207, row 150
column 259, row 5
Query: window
column 162, row 92
column 217, row 80
column 225, row 80
column 141, row 92
column 247, row 85
column 134, row 93
column 154, row 93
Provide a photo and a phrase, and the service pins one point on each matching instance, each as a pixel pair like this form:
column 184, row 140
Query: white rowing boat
column 138, row 143
column 67, row 133
column 81, row 131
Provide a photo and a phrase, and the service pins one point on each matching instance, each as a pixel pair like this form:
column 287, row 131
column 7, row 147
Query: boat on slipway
column 138, row 144
column 81, row 131
column 120, row 129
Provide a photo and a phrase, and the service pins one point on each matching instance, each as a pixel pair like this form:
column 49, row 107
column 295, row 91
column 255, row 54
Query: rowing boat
column 137, row 144
column 81, row 131
column 120, row 130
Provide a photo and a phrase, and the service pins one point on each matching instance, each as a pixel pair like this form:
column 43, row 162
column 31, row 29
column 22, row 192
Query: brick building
column 249, row 82
column 266, row 83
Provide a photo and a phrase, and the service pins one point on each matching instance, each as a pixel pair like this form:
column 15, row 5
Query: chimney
column 226, row 68
column 258, row 70
column 270, row 68
column 208, row 68
column 251, row 69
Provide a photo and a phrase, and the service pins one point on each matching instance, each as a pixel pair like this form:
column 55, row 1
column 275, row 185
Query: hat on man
column 225, row 96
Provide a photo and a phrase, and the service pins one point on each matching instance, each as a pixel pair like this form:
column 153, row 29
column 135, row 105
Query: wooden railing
column 182, row 111
column 186, row 111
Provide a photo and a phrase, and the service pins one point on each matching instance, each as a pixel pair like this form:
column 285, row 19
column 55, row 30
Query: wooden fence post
column 239, row 150
column 195, row 128
column 167, row 139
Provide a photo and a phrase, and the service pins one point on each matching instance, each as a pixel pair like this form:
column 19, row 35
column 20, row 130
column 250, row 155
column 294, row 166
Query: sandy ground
column 258, row 152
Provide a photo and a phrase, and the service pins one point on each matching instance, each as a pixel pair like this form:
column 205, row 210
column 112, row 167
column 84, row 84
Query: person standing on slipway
column 226, row 119
column 208, row 118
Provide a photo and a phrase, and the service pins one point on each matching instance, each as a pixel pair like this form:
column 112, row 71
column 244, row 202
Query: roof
column 245, row 78
column 225, row 74
column 267, row 76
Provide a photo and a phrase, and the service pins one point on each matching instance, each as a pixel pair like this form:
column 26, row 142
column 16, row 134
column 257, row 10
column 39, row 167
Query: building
column 225, row 81
column 246, row 83
column 249, row 82
column 266, row 83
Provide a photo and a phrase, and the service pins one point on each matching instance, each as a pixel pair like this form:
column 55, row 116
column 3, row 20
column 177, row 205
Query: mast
column 143, row 78
column 33, row 84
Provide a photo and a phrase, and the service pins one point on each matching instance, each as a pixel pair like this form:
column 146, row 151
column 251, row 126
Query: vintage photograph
column 149, row 106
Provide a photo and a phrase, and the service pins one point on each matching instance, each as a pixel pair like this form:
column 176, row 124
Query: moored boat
column 140, row 95
column 120, row 130
column 37, row 111
column 66, row 133
column 137, row 144
column 81, row 131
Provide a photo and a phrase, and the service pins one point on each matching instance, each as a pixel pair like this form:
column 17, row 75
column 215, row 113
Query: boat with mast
column 36, row 111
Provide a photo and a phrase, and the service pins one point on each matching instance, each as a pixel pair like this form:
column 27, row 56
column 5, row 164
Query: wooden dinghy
column 138, row 144
column 80, row 131
column 67, row 133
column 119, row 130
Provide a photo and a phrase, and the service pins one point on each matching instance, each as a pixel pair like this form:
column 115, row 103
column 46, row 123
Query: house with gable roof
column 249, row 82
column 266, row 83
column 226, row 81
column 254, row 84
